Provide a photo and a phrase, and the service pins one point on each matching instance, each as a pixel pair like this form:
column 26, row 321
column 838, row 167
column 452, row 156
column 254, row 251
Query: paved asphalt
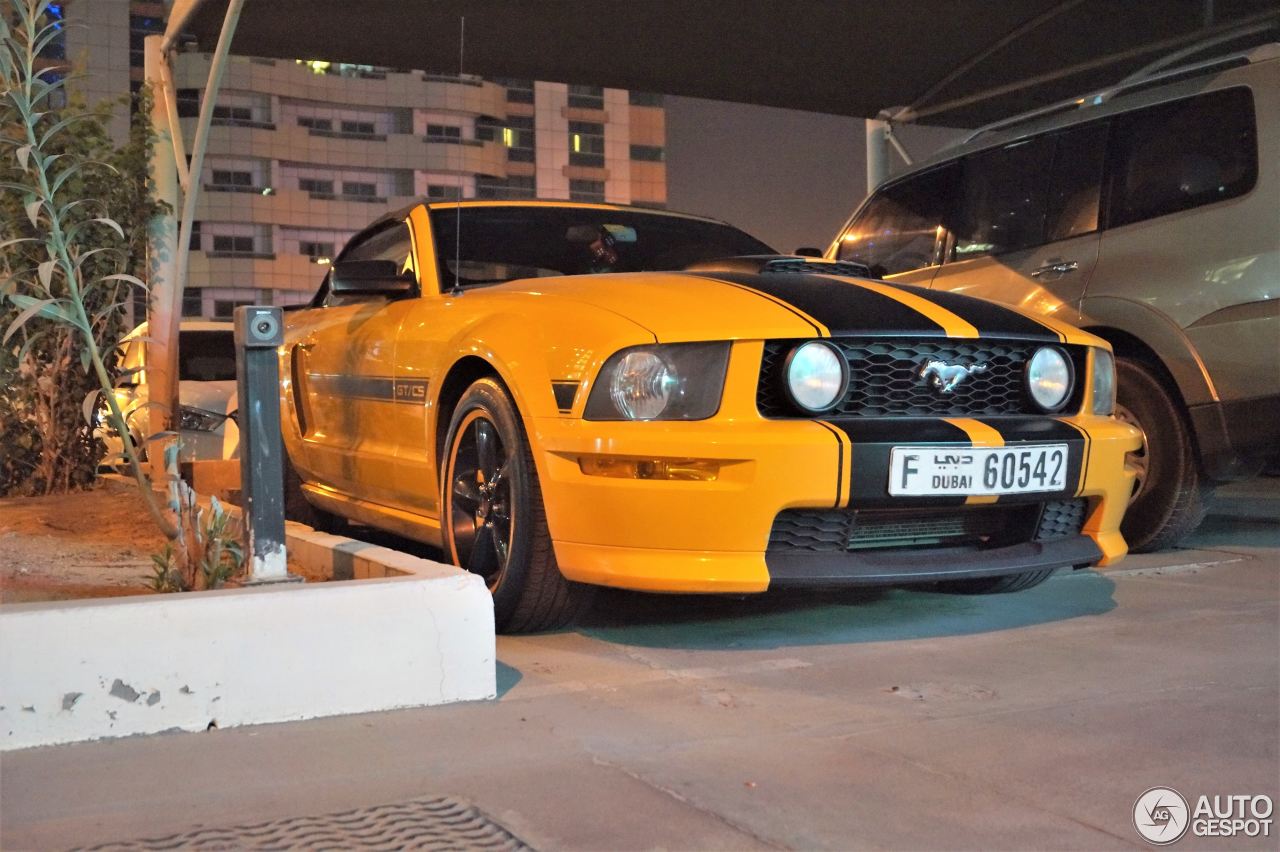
column 906, row 720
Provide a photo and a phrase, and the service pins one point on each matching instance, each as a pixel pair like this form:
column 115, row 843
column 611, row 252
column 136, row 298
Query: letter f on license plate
column 947, row 471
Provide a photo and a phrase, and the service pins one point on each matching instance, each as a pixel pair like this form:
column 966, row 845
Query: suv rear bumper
column 1236, row 438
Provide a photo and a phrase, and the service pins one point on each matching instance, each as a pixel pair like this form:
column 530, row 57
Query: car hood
column 210, row 396
column 730, row 304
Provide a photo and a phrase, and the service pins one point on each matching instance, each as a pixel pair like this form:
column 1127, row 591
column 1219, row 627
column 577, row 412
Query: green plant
column 77, row 285
column 72, row 254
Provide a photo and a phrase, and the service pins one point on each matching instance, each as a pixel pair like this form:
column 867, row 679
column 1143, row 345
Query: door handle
column 1058, row 267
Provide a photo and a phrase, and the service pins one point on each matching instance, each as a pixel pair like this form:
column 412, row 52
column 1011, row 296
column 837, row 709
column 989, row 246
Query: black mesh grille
column 841, row 530
column 1061, row 518
column 885, row 379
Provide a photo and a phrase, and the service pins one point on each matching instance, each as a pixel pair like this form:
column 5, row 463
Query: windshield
column 504, row 243
column 206, row 356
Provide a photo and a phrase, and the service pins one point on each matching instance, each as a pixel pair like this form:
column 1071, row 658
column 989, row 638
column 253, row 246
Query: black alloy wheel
column 480, row 510
column 494, row 523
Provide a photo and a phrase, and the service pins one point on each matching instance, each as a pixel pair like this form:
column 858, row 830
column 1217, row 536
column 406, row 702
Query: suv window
column 1075, row 184
column 1029, row 193
column 1003, row 199
column 898, row 229
column 1183, row 154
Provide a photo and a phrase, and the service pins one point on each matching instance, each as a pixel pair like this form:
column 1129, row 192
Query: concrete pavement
column 896, row 720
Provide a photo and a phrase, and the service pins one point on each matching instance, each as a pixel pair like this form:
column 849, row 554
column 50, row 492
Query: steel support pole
column 877, row 153
column 166, row 354
column 162, row 243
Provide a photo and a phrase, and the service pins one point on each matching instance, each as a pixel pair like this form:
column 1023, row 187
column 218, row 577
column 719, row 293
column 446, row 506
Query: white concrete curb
column 406, row 632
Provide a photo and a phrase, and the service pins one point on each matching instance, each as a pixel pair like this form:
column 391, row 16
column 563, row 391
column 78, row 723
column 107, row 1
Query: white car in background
column 206, row 391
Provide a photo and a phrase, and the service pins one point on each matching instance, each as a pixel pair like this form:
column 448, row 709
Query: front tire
column 1170, row 497
column 494, row 523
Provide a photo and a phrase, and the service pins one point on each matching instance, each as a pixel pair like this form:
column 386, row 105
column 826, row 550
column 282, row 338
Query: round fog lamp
column 1049, row 378
column 642, row 385
column 817, row 376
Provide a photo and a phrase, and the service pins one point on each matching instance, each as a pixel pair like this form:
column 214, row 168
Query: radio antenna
column 457, row 229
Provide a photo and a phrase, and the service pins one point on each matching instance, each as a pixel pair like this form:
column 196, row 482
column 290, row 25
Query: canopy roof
column 847, row 57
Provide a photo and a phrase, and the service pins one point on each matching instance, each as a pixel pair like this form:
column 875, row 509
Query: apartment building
column 303, row 153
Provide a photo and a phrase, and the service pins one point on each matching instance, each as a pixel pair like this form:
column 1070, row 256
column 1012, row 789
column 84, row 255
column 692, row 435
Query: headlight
column 676, row 381
column 195, row 419
column 1049, row 378
column 1104, row 382
column 817, row 376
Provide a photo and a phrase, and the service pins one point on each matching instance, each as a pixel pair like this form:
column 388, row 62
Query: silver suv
column 1148, row 214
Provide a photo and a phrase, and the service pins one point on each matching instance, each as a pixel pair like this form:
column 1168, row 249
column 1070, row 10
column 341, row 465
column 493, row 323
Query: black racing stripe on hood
column 844, row 308
column 990, row 318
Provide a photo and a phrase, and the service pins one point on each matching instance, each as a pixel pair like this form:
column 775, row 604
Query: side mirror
column 808, row 251
column 369, row 277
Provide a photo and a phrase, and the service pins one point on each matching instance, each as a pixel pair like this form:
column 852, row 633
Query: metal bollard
column 259, row 331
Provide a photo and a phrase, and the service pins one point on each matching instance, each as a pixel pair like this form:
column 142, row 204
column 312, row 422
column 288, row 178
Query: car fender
column 1160, row 334
column 532, row 347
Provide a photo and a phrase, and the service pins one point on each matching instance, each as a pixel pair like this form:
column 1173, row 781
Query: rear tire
column 494, row 523
column 1170, row 498
column 996, row 585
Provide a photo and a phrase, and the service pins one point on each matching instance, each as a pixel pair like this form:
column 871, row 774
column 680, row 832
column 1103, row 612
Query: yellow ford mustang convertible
column 566, row 395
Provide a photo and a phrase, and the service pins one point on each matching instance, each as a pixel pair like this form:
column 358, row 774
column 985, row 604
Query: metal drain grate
column 435, row 824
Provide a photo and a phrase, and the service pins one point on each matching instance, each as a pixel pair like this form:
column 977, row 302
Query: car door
column 1024, row 230
column 346, row 367
column 897, row 233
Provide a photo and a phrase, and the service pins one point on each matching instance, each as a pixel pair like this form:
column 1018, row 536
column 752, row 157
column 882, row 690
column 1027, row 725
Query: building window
column 520, row 139
column 488, row 128
column 315, row 249
column 313, row 123
column 359, row 189
column 232, row 181
column 518, row 91
column 192, row 301
column 444, row 133
column 226, row 308
column 359, row 128
column 488, row 186
column 188, row 103
column 586, row 190
column 648, row 153
column 224, row 244
column 232, row 115
column 586, row 143
column 141, row 26
column 586, row 97
column 522, row 186
column 443, row 191
column 652, row 99
column 316, row 186
column 195, row 244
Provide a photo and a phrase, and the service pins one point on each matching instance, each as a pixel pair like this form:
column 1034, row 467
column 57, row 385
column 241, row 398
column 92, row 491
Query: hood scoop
column 772, row 264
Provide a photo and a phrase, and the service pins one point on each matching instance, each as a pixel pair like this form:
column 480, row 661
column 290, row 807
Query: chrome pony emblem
column 944, row 377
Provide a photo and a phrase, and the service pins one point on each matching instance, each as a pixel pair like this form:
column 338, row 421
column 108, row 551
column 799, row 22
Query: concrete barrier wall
column 420, row 634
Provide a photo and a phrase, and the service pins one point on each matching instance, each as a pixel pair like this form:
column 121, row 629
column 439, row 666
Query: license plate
column 936, row 471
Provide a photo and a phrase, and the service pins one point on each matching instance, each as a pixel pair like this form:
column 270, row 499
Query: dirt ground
column 91, row 544
column 88, row 544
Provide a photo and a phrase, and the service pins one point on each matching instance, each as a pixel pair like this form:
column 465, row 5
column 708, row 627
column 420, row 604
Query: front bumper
column 713, row 536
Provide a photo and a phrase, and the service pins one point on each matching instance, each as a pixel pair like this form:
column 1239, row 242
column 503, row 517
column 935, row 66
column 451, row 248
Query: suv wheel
column 1170, row 496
